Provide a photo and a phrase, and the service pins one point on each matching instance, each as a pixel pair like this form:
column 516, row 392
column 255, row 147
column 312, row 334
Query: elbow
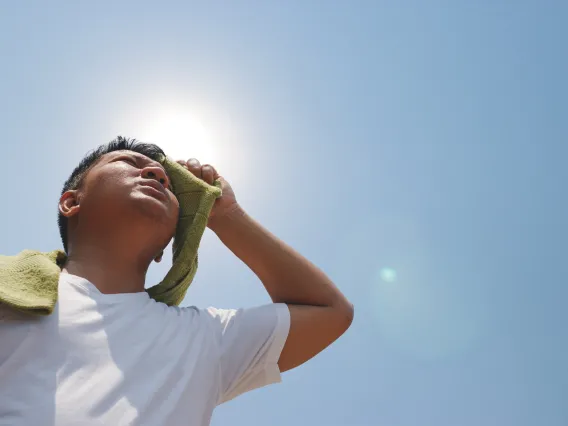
column 351, row 314
column 347, row 315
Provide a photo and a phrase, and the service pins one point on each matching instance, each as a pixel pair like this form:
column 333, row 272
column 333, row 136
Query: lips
column 155, row 188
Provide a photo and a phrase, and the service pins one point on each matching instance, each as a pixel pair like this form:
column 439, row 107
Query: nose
column 156, row 173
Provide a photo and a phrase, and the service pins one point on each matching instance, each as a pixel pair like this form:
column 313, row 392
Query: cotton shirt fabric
column 125, row 359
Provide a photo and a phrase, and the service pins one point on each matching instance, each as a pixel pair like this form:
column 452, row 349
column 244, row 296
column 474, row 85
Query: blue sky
column 415, row 151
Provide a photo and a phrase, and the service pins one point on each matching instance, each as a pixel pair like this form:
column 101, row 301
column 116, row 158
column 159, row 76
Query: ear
column 69, row 204
column 158, row 258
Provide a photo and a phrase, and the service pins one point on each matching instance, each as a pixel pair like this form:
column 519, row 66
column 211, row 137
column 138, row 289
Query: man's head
column 119, row 192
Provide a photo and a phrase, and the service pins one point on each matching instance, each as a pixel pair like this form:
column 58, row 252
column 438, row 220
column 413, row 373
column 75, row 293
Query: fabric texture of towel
column 29, row 280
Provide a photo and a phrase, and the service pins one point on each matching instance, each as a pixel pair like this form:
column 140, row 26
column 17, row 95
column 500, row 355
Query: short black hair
column 74, row 181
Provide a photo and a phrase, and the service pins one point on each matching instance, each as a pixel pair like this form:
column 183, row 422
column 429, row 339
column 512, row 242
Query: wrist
column 219, row 221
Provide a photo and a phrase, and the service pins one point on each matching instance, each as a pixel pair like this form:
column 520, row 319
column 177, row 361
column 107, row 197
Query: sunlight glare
column 182, row 136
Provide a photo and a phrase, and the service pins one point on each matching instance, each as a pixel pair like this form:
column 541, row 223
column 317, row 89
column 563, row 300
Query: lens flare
column 422, row 303
column 388, row 275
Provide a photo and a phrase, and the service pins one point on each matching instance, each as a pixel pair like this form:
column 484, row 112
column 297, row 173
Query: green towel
column 28, row 280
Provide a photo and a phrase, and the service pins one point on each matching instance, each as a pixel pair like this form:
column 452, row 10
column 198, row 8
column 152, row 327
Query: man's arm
column 319, row 312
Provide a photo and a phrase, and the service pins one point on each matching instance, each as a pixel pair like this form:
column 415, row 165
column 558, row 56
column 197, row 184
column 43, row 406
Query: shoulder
column 187, row 319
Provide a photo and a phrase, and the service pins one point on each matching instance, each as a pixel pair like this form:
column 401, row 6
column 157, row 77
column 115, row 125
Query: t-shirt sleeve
column 250, row 342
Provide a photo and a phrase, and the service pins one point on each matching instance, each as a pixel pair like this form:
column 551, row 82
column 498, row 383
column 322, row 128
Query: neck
column 111, row 271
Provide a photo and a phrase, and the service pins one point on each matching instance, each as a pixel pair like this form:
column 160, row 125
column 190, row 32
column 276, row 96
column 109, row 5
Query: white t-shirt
column 125, row 359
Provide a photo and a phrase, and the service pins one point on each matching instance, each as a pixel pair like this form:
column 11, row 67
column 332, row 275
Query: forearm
column 287, row 276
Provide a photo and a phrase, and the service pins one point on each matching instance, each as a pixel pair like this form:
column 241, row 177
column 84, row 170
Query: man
column 111, row 355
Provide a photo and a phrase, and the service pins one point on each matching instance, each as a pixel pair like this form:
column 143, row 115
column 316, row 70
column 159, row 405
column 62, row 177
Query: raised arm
column 319, row 312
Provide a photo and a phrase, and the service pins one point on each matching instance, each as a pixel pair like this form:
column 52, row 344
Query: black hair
column 74, row 181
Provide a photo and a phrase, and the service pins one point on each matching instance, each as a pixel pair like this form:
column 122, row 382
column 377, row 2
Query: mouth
column 154, row 189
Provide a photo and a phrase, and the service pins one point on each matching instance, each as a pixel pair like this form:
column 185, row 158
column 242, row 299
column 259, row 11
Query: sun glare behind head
column 182, row 136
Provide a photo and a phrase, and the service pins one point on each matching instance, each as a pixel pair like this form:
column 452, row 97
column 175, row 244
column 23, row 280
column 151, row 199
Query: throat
column 108, row 278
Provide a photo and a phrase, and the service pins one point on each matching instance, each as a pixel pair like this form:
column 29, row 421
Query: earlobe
column 69, row 204
column 158, row 258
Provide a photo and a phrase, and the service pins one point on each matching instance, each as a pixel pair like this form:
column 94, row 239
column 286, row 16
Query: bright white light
column 181, row 135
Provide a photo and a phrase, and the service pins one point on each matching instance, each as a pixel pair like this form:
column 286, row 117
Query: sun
column 181, row 135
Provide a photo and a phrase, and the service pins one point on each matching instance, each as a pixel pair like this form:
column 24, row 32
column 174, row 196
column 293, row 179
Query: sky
column 415, row 151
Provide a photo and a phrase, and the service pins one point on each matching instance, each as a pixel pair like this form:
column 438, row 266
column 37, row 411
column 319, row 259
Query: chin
column 156, row 211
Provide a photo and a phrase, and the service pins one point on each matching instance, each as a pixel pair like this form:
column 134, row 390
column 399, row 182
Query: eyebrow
column 147, row 160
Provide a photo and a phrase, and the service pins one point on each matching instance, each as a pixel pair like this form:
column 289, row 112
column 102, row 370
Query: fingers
column 205, row 172
column 194, row 166
column 208, row 174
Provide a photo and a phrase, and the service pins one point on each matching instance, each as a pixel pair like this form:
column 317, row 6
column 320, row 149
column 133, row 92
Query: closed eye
column 130, row 160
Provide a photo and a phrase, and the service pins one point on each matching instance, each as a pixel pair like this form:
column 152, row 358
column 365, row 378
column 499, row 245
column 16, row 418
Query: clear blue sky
column 416, row 151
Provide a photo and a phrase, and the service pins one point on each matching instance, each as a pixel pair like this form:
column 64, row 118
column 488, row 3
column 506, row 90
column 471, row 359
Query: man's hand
column 225, row 204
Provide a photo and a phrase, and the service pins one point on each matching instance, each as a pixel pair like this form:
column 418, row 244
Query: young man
column 111, row 355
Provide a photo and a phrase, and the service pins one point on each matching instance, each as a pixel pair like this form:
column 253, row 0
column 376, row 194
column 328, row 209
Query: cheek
column 174, row 202
column 108, row 188
column 113, row 180
column 174, row 210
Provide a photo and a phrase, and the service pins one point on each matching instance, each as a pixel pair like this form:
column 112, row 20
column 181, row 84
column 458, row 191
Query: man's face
column 127, row 189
